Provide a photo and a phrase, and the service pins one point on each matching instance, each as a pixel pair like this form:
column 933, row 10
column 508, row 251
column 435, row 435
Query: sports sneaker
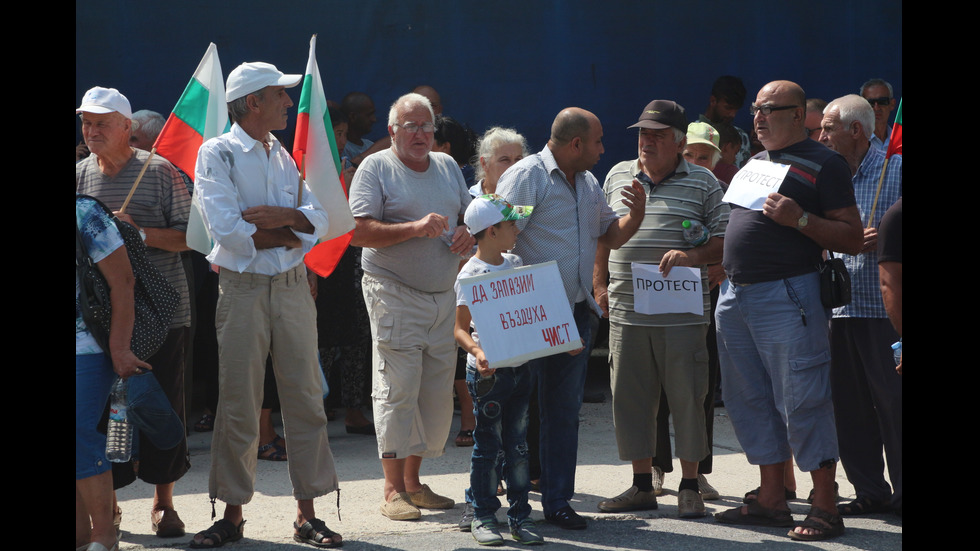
column 427, row 499
column 658, row 481
column 485, row 531
column 630, row 500
column 400, row 508
column 526, row 532
column 689, row 504
column 708, row 491
column 467, row 519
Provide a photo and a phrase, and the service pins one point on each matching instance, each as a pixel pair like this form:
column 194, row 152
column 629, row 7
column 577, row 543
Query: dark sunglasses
column 882, row 101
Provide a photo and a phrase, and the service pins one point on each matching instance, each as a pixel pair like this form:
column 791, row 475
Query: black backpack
column 155, row 299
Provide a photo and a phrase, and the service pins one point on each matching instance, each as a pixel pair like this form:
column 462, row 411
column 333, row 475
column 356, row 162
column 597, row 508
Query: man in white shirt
column 263, row 220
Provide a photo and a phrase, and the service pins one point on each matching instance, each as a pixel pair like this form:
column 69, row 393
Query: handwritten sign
column 678, row 293
column 521, row 314
column 754, row 182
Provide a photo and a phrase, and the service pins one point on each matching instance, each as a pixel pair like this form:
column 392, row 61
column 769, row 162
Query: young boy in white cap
column 500, row 395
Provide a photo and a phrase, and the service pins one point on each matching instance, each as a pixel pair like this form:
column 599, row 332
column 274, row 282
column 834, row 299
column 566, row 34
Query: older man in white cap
column 159, row 209
column 263, row 219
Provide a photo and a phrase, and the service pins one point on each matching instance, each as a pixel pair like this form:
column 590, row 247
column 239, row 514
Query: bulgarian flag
column 315, row 152
column 201, row 113
column 895, row 145
column 894, row 148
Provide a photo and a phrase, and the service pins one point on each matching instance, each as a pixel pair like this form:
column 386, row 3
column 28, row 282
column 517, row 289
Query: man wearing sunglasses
column 867, row 391
column 881, row 97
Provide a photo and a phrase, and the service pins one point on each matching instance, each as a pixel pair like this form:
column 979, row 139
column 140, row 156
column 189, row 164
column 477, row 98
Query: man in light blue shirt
column 570, row 218
column 867, row 392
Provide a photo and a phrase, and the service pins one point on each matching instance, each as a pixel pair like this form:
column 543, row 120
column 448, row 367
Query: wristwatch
column 801, row 223
column 143, row 234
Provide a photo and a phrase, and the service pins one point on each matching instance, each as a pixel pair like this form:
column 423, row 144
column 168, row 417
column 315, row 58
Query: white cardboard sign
column 678, row 293
column 521, row 313
column 754, row 182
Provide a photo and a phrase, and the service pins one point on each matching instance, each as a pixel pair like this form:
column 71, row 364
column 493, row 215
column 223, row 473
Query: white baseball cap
column 487, row 210
column 251, row 77
column 105, row 100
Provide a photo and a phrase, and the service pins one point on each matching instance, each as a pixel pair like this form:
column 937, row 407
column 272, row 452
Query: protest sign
column 521, row 314
column 754, row 182
column 680, row 292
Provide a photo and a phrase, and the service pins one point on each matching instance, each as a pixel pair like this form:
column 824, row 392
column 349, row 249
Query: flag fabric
column 895, row 144
column 315, row 153
column 201, row 113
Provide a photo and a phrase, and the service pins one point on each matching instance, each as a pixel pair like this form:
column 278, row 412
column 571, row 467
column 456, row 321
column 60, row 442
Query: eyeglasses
column 412, row 127
column 882, row 101
column 768, row 109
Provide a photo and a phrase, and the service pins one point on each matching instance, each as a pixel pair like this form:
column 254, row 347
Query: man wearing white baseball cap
column 159, row 209
column 263, row 219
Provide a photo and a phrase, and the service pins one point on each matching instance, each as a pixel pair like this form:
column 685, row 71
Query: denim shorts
column 774, row 349
column 93, row 383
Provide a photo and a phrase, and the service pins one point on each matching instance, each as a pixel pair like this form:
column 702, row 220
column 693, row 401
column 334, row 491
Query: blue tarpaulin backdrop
column 499, row 62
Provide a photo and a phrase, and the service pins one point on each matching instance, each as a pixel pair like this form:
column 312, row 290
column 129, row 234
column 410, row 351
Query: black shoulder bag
column 835, row 282
column 155, row 299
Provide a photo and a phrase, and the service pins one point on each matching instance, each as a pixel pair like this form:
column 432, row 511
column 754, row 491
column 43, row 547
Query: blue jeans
column 500, row 407
column 774, row 349
column 560, row 380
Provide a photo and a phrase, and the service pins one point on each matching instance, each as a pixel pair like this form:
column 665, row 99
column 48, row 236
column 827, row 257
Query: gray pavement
column 600, row 475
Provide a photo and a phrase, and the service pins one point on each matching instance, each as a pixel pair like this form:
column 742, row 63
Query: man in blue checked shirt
column 867, row 392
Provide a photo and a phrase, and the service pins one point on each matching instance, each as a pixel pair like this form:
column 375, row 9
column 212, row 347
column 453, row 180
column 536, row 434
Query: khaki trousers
column 257, row 315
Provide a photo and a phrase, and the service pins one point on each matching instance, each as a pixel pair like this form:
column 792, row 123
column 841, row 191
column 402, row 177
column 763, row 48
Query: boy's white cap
column 105, row 100
column 249, row 78
column 487, row 210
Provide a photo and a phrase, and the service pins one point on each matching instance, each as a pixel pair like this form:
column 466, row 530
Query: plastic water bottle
column 695, row 233
column 119, row 439
column 897, row 351
column 447, row 238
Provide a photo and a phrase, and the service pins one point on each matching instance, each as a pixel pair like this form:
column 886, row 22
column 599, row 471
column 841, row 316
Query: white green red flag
column 315, row 152
column 201, row 113
column 895, row 143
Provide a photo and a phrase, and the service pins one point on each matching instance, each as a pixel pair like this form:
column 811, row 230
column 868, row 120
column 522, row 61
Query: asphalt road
column 600, row 475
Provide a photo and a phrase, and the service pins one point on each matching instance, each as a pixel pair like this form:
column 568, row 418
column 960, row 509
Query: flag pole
column 896, row 137
column 122, row 210
column 302, row 175
column 881, row 180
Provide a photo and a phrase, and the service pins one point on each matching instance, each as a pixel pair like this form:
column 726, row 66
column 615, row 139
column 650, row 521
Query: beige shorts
column 414, row 360
column 642, row 361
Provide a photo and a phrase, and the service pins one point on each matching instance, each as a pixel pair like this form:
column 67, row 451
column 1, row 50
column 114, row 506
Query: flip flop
column 314, row 532
column 272, row 452
column 219, row 533
column 205, row 423
column 753, row 495
column 826, row 524
column 862, row 506
column 464, row 438
column 756, row 515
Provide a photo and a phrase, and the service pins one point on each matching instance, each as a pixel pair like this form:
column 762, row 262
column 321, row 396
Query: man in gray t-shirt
column 408, row 204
